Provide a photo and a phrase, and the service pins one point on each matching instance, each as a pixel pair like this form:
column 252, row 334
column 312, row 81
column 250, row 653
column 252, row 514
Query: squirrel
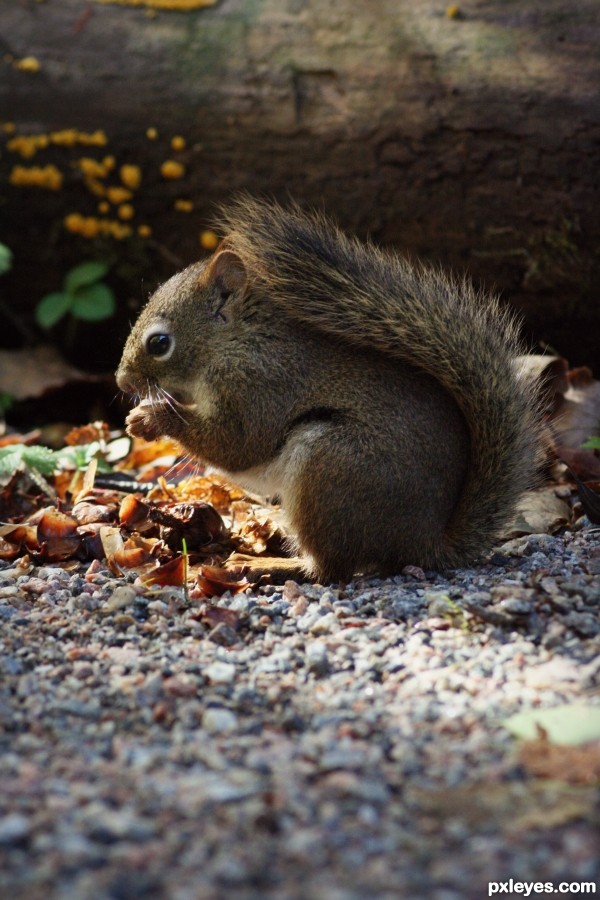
column 377, row 399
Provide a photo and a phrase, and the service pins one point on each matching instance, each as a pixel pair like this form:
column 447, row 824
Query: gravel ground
column 297, row 742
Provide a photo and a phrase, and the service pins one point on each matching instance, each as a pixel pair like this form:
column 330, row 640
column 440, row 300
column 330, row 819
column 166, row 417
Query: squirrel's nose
column 124, row 383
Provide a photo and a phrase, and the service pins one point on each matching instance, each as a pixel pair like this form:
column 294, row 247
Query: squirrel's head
column 188, row 321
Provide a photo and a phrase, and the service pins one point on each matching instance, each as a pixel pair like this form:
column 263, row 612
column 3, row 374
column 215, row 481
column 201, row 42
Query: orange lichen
column 183, row 205
column 131, row 176
column 104, row 207
column 9, row 127
column 48, row 177
column 178, row 142
column 144, row 230
column 209, row 240
column 171, row 169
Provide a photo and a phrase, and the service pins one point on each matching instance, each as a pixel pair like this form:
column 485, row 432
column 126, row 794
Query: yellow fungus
column 144, row 230
column 453, row 11
column 131, row 176
column 109, row 163
column 172, row 170
column 209, row 240
column 92, row 167
column 91, row 227
column 151, row 134
column 86, row 226
column 27, row 145
column 104, row 207
column 118, row 230
column 118, row 195
column 178, row 142
column 70, row 137
column 73, row 221
column 95, row 187
column 126, row 211
column 9, row 127
column 27, row 64
column 48, row 177
column 184, row 205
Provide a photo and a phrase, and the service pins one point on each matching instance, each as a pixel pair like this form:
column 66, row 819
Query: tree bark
column 469, row 136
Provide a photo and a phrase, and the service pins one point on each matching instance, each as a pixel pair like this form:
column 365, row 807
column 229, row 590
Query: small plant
column 5, row 259
column 40, row 459
column 45, row 462
column 84, row 296
column 592, row 443
column 6, row 401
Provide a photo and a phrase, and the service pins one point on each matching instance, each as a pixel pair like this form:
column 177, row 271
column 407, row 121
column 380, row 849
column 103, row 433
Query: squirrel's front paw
column 144, row 421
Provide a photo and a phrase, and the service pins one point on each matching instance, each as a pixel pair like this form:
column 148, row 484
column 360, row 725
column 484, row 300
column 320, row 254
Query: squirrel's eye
column 159, row 344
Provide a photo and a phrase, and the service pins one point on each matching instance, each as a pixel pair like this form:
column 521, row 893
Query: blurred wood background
column 468, row 135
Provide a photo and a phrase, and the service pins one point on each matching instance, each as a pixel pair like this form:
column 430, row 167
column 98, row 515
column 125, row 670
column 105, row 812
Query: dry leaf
column 57, row 536
column 32, row 372
column 540, row 512
column 212, row 581
column 171, row 573
column 574, row 765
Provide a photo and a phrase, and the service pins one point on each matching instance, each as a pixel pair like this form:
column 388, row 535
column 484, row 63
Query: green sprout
column 5, row 259
column 593, row 443
column 84, row 296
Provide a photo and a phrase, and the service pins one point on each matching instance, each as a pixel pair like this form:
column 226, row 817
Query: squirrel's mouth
column 158, row 397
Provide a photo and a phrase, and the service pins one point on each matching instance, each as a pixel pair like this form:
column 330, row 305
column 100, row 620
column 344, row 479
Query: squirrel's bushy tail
column 378, row 300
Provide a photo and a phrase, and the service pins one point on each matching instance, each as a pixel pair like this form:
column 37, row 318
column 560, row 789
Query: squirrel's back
column 361, row 295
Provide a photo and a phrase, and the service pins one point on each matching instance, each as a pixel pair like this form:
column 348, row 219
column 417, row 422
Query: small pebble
column 219, row 721
column 317, row 659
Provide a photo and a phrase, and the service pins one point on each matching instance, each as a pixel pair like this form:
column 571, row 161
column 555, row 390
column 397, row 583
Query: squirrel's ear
column 227, row 271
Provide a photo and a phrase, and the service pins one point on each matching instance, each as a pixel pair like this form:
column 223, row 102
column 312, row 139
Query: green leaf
column 84, row 274
column 80, row 455
column 6, row 401
column 6, row 258
column 571, row 723
column 93, row 303
column 40, row 458
column 52, row 308
column 592, row 444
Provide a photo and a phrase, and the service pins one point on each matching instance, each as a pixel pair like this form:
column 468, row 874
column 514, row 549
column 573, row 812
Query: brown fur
column 379, row 399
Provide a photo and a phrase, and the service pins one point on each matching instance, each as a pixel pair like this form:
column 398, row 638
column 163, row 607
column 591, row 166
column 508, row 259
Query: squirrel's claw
column 143, row 422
